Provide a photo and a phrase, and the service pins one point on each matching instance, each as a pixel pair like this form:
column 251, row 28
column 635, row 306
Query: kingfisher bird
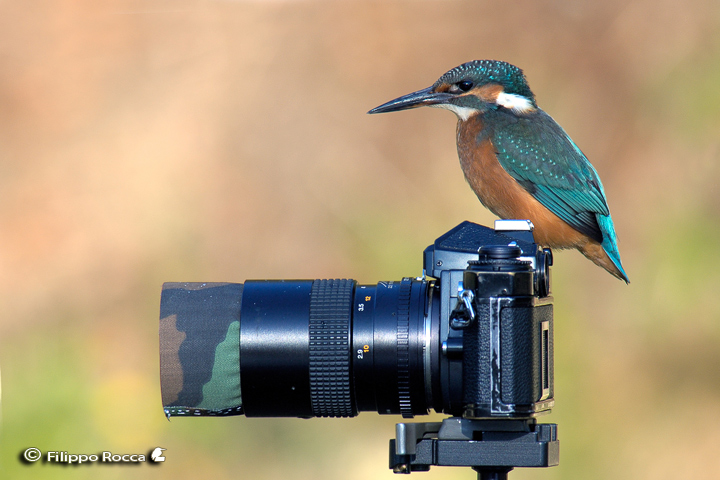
column 519, row 162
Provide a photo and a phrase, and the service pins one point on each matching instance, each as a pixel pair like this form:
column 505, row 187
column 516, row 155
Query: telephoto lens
column 308, row 348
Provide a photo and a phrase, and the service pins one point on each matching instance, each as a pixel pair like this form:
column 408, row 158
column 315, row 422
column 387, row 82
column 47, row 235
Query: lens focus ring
column 330, row 310
column 403, row 348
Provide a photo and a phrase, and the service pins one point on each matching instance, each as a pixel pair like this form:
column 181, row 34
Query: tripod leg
column 492, row 473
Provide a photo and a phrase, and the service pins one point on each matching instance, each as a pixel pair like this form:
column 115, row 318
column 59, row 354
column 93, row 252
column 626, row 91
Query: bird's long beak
column 417, row 99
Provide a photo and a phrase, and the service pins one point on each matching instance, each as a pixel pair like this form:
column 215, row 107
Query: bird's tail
column 606, row 254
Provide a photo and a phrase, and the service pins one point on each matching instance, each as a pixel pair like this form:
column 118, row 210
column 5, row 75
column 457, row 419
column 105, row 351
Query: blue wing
column 537, row 152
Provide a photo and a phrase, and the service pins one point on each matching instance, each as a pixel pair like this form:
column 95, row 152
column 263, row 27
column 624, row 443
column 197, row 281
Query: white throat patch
column 514, row 102
column 463, row 113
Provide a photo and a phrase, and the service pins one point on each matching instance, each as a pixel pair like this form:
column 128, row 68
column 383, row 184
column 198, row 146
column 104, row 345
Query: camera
column 471, row 338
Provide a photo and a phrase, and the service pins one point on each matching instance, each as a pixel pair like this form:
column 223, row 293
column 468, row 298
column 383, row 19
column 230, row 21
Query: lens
column 309, row 348
column 392, row 344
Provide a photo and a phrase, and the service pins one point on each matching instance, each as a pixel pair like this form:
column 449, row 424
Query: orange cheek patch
column 487, row 93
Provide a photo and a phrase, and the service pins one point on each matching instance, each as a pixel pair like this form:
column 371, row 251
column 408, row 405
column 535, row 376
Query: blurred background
column 189, row 140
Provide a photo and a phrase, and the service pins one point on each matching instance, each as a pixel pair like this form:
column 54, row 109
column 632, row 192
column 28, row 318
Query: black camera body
column 497, row 319
column 471, row 338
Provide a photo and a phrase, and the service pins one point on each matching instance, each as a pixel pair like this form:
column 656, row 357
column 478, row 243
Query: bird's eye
column 465, row 85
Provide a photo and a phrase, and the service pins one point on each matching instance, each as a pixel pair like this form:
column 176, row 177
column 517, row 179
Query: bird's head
column 471, row 88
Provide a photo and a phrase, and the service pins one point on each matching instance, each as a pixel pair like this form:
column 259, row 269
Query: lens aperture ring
column 403, row 348
column 330, row 311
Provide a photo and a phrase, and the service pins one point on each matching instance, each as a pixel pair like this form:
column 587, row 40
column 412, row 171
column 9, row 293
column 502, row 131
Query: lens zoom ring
column 330, row 309
column 403, row 348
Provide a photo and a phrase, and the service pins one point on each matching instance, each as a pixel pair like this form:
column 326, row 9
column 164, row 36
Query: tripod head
column 491, row 447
